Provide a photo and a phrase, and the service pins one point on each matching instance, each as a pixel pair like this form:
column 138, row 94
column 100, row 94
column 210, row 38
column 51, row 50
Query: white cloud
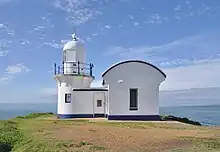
column 198, row 96
column 177, row 8
column 18, row 68
column 59, row 45
column 201, row 46
column 205, row 10
column 136, row 23
column 6, row 1
column 3, row 53
column 2, row 26
column 5, row 78
column 39, row 28
column 54, row 44
column 190, row 62
column 2, row 2
column 156, row 19
column 107, row 26
column 64, row 41
column 88, row 39
column 202, row 74
column 12, row 70
column 4, row 45
column 44, row 25
column 79, row 11
column 188, row 10
column 95, row 34
column 5, row 29
column 131, row 17
column 46, row 21
column 187, row 2
column 23, row 42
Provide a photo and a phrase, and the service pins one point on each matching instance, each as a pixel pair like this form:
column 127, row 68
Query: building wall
column 74, row 52
column 98, row 95
column 147, row 100
column 133, row 75
column 75, row 81
column 62, row 107
column 82, row 104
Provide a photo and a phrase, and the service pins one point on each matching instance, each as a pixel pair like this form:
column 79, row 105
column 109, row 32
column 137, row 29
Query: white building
column 130, row 88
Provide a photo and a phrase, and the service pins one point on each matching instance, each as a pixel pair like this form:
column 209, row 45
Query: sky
column 179, row 36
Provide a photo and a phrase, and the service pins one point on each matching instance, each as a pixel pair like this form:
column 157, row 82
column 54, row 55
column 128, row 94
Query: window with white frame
column 68, row 98
column 133, row 99
column 99, row 103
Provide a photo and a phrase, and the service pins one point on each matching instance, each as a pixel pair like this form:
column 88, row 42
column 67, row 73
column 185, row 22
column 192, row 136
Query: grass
column 36, row 132
column 200, row 145
column 209, row 143
column 9, row 135
column 36, row 115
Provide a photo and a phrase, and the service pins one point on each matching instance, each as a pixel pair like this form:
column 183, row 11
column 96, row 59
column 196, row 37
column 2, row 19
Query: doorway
column 99, row 104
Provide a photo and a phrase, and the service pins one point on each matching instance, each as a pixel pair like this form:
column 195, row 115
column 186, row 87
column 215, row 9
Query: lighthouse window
column 133, row 99
column 99, row 103
column 68, row 98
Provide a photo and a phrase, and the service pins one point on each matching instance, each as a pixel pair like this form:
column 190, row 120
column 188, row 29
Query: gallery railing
column 76, row 68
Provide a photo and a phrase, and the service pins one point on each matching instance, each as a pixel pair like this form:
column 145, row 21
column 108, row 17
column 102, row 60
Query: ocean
column 206, row 115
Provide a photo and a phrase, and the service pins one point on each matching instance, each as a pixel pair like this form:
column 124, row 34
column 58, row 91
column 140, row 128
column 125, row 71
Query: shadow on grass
column 5, row 147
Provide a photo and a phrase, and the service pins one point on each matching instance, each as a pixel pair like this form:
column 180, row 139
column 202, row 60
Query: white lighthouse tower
column 73, row 73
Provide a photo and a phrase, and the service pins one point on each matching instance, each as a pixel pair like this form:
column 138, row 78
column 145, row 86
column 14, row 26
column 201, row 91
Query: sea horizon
column 207, row 115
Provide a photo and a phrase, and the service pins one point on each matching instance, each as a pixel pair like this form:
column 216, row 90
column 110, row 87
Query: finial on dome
column 74, row 37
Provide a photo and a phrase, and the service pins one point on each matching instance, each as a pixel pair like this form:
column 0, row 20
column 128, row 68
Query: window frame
column 68, row 95
column 133, row 106
column 99, row 104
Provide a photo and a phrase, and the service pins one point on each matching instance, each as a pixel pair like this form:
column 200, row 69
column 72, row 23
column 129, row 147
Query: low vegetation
column 183, row 120
column 9, row 135
column 36, row 115
column 42, row 132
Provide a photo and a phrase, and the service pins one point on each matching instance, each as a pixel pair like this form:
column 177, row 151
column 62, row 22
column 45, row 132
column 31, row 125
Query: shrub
column 36, row 115
column 9, row 135
column 184, row 120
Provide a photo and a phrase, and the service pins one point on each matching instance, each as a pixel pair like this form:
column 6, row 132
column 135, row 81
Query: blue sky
column 181, row 37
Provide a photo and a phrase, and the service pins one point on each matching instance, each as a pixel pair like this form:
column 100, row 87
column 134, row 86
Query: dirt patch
column 100, row 135
column 121, row 139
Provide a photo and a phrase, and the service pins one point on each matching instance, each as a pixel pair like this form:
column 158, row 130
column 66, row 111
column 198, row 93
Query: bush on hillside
column 36, row 115
column 184, row 120
column 9, row 135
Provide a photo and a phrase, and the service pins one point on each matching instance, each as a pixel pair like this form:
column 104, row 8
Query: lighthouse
column 130, row 89
column 73, row 73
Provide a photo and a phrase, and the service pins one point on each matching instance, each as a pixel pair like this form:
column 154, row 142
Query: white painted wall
column 73, row 52
column 75, row 81
column 133, row 75
column 62, row 107
column 99, row 96
column 83, row 102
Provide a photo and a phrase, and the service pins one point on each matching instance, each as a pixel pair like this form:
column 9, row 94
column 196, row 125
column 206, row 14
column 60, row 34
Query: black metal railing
column 76, row 68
